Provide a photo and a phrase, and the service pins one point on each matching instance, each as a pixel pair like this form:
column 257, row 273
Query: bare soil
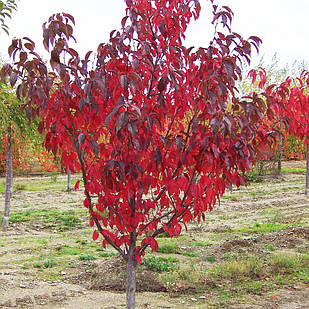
column 100, row 283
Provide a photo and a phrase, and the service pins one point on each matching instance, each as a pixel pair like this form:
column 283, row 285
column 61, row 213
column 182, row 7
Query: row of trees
column 157, row 130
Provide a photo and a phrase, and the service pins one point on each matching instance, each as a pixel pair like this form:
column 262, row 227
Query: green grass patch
column 268, row 227
column 67, row 218
column 167, row 247
column 107, row 255
column 200, row 243
column 238, row 270
column 44, row 265
column 299, row 170
column 69, row 251
column 283, row 263
column 87, row 257
column 210, row 259
column 269, row 247
column 189, row 254
column 160, row 264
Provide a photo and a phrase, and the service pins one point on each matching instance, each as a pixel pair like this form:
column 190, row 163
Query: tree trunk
column 8, row 181
column 69, row 188
column 280, row 149
column 131, row 273
column 307, row 171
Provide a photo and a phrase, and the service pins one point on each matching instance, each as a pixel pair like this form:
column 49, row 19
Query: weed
column 19, row 187
column 54, row 177
column 52, row 276
column 70, row 251
column 67, row 218
column 210, row 259
column 87, row 257
column 254, row 175
column 42, row 241
column 107, row 254
column 248, row 268
column 168, row 247
column 267, row 227
column 44, row 265
column 82, row 241
column 160, row 264
column 293, row 170
column 253, row 193
column 282, row 263
column 189, row 254
column 200, row 243
column 270, row 247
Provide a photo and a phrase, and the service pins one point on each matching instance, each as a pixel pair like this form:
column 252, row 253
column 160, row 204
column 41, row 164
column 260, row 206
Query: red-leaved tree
column 155, row 128
column 288, row 108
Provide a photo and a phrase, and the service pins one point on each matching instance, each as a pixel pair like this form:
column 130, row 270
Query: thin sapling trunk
column 8, row 181
column 280, row 149
column 131, row 273
column 69, row 187
column 307, row 171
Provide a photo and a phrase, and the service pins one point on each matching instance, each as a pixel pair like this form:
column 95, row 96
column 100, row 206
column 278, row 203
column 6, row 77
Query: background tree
column 156, row 128
column 285, row 146
column 290, row 100
column 14, row 130
column 6, row 10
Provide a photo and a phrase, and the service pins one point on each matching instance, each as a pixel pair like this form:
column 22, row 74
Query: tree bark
column 69, row 187
column 131, row 273
column 8, row 181
column 280, row 149
column 307, row 171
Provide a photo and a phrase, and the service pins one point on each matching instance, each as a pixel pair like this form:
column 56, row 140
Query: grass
column 44, row 265
column 87, row 257
column 210, row 259
column 51, row 183
column 250, row 274
column 283, row 263
column 200, row 243
column 270, row 247
column 268, row 227
column 160, row 264
column 67, row 219
column 293, row 170
column 167, row 246
column 250, row 267
column 196, row 268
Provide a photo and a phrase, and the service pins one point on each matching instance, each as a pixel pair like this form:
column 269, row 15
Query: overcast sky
column 281, row 24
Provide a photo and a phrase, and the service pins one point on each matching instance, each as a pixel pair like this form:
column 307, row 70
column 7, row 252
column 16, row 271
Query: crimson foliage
column 156, row 128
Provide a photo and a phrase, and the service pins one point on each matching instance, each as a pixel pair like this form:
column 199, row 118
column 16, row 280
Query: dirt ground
column 99, row 283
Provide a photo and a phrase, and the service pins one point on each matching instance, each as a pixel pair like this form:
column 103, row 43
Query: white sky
column 281, row 24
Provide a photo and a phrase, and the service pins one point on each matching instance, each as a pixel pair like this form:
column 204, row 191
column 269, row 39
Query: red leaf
column 76, row 187
column 95, row 235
